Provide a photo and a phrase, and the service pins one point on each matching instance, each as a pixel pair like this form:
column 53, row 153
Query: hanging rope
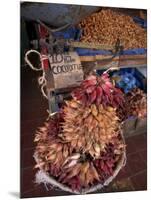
column 41, row 79
column 42, row 83
column 28, row 61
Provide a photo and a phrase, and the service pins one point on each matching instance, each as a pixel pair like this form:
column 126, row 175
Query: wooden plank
column 125, row 61
column 101, row 57
column 123, row 64
column 91, row 45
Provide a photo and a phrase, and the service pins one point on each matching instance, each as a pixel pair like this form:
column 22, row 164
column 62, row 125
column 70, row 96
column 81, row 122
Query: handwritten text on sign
column 66, row 69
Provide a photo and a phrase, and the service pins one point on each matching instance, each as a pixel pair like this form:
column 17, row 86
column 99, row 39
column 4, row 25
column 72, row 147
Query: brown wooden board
column 126, row 61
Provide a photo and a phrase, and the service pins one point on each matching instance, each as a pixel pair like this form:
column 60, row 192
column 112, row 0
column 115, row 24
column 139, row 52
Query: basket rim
column 48, row 179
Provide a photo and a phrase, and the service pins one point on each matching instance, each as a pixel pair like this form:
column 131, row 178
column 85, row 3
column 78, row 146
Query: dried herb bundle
column 137, row 103
column 73, row 167
column 89, row 129
column 72, row 144
column 98, row 90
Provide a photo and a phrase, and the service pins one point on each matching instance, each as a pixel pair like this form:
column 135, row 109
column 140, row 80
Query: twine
column 111, row 69
column 50, row 115
column 41, row 79
column 29, row 63
column 42, row 83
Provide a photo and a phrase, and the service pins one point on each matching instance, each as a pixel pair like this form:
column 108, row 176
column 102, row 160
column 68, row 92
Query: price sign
column 66, row 70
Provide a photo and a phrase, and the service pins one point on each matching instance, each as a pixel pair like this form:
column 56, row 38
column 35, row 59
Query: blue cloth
column 129, row 79
column 141, row 22
column 91, row 52
column 70, row 33
column 134, row 51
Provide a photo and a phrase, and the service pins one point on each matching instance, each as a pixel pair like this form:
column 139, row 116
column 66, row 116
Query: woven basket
column 43, row 177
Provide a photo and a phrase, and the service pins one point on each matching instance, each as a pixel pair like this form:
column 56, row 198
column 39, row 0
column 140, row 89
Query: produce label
column 66, row 70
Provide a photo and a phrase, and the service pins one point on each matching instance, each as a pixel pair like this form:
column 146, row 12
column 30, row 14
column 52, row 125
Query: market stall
column 96, row 95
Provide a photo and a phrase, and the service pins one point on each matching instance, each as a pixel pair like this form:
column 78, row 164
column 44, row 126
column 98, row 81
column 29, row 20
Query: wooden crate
column 134, row 126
